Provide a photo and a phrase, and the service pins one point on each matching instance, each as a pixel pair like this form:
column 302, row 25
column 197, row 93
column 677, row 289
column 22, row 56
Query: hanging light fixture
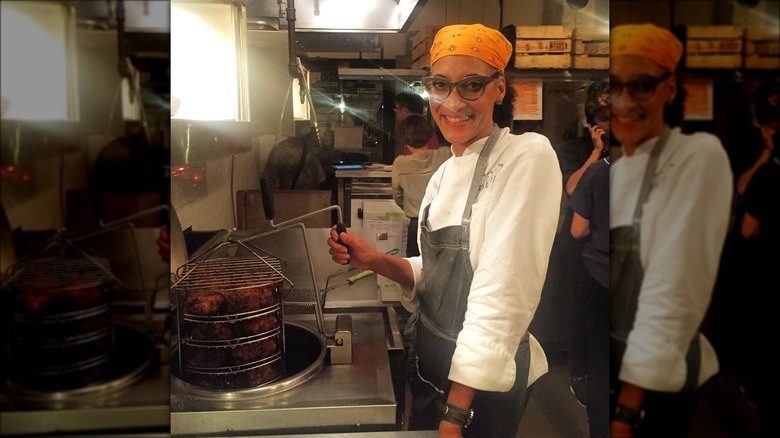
column 208, row 60
column 209, row 85
column 39, row 87
column 39, row 72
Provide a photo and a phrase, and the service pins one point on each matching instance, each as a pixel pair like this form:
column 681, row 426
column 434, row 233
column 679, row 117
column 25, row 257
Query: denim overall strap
column 445, row 284
column 626, row 272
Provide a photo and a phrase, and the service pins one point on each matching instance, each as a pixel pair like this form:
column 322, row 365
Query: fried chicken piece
column 254, row 351
column 203, row 303
column 34, row 301
column 79, row 299
column 257, row 325
column 212, row 331
column 245, row 300
column 259, row 376
column 201, row 357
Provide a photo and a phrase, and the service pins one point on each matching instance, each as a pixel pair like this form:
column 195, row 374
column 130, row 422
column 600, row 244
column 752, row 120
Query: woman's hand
column 596, row 132
column 357, row 251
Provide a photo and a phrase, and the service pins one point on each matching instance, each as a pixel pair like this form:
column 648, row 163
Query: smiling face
column 635, row 121
column 464, row 121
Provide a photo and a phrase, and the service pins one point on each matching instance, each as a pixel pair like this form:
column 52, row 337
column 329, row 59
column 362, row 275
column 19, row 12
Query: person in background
column 768, row 129
column 487, row 223
column 411, row 173
column 575, row 156
column 406, row 104
column 760, row 226
column 670, row 200
column 590, row 224
column 328, row 137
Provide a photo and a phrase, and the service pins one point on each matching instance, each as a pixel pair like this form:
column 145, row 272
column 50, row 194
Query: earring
column 499, row 102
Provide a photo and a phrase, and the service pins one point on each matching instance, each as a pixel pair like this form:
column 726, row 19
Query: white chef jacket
column 683, row 228
column 513, row 224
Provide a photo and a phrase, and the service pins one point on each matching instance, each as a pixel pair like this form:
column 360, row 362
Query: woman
column 487, row 223
column 670, row 197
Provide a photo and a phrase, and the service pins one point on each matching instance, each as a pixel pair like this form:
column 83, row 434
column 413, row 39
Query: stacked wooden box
column 543, row 47
column 421, row 47
column 591, row 48
column 762, row 49
column 713, row 47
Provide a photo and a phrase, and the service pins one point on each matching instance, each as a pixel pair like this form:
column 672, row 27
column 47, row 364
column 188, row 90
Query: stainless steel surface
column 355, row 397
column 341, row 348
column 287, row 245
column 391, row 434
column 307, row 357
column 137, row 400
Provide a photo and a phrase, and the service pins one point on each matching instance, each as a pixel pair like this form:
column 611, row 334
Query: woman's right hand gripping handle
column 349, row 248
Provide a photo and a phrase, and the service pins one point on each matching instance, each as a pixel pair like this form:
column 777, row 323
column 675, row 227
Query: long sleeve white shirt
column 513, row 225
column 683, row 228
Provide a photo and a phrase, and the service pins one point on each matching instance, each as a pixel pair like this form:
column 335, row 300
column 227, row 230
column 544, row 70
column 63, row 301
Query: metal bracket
column 341, row 346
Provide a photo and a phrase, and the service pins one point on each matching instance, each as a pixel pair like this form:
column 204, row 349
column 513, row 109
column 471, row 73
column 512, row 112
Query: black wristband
column 456, row 415
column 624, row 414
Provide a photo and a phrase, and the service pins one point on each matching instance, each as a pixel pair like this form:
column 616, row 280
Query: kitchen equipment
column 70, row 347
column 229, row 323
column 336, row 372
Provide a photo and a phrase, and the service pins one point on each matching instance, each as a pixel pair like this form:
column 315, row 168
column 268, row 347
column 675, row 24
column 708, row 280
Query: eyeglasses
column 469, row 88
column 639, row 89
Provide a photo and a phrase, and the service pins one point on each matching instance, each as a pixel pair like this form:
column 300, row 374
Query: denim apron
column 626, row 275
column 434, row 326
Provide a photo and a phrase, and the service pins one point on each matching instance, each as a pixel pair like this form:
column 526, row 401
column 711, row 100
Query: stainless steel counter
column 394, row 434
column 142, row 408
column 340, row 398
column 137, row 409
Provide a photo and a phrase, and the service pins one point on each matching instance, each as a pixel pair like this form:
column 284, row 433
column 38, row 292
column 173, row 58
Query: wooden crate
column 591, row 48
column 762, row 49
column 422, row 63
column 714, row 47
column 543, row 47
column 421, row 46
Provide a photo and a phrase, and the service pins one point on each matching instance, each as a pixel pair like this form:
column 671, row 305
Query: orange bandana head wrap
column 474, row 40
column 648, row 41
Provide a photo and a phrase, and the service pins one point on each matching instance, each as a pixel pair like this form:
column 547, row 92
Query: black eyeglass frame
column 484, row 80
column 616, row 88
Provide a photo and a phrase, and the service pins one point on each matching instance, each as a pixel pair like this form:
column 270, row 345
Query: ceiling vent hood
column 144, row 16
column 375, row 16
